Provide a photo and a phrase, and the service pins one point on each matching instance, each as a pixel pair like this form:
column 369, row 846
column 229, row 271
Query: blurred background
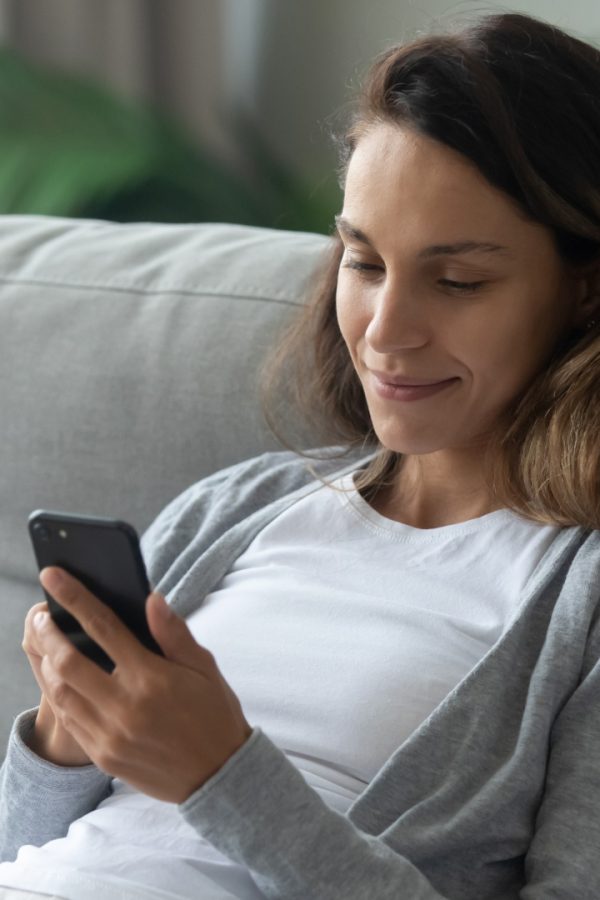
column 199, row 110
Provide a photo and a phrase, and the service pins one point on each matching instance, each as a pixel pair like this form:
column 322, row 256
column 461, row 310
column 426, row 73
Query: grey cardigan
column 495, row 796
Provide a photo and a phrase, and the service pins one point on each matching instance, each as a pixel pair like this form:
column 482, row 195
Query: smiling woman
column 479, row 318
column 467, row 251
column 390, row 689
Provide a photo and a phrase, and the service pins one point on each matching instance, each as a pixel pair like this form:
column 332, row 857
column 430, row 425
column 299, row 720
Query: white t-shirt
column 340, row 631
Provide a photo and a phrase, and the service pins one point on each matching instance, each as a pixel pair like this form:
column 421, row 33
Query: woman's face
column 408, row 304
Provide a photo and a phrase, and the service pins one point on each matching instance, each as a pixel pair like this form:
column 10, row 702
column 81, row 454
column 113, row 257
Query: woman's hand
column 164, row 724
column 48, row 738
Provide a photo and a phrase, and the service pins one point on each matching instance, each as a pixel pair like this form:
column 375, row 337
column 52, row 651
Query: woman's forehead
column 408, row 182
column 390, row 157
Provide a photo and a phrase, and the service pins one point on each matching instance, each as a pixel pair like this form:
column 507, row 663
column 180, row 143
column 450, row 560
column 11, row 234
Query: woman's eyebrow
column 344, row 226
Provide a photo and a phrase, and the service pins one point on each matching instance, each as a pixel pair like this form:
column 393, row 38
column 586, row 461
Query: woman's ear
column 587, row 282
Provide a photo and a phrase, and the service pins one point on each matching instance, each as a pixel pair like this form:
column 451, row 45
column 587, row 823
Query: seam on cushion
column 128, row 289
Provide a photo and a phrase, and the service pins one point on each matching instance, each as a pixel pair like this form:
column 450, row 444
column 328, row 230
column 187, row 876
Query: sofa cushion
column 129, row 370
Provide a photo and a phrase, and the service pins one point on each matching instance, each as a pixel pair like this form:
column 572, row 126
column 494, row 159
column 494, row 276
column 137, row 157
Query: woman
column 417, row 649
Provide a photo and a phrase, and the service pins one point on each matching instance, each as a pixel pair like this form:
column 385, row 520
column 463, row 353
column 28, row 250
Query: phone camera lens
column 42, row 532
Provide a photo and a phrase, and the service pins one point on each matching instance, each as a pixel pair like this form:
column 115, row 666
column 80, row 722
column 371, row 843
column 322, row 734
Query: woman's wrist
column 50, row 741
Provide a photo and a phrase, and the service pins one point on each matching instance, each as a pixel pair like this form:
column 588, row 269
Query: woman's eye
column 360, row 266
column 466, row 286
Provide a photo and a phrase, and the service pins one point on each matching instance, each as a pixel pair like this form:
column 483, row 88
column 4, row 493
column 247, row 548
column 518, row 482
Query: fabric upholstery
column 129, row 366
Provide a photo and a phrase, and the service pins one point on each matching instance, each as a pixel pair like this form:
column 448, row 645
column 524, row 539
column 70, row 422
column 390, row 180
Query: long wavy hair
column 520, row 98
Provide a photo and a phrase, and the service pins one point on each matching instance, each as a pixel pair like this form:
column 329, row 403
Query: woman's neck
column 435, row 490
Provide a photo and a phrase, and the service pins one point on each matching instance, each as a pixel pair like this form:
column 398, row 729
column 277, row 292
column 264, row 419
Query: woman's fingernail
column 52, row 578
column 39, row 620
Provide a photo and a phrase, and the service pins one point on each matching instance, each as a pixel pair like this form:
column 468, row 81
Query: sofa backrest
column 130, row 360
column 129, row 370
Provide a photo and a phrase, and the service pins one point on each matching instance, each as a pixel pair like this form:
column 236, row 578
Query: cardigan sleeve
column 38, row 799
column 259, row 811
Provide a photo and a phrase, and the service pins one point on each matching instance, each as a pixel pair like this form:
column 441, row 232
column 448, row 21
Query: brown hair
column 521, row 99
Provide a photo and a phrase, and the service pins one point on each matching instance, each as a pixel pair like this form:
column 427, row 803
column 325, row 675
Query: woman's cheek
column 346, row 321
column 352, row 313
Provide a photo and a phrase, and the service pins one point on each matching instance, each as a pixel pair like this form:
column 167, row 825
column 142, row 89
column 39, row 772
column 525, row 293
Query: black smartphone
column 104, row 554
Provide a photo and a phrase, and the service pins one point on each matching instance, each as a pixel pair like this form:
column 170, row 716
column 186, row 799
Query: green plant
column 69, row 147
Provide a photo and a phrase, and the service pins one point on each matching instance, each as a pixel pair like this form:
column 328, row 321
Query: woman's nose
column 397, row 322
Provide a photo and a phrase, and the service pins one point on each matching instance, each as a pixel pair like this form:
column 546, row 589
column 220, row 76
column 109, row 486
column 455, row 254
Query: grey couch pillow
column 129, row 364
column 130, row 358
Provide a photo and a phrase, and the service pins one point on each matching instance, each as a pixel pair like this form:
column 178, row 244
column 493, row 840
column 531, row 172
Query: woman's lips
column 401, row 392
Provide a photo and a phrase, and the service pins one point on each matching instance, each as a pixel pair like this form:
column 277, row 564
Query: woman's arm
column 259, row 811
column 39, row 799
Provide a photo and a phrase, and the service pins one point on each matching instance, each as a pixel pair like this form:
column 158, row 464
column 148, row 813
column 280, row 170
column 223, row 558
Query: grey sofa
column 129, row 365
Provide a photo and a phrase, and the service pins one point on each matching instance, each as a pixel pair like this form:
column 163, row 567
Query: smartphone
column 104, row 554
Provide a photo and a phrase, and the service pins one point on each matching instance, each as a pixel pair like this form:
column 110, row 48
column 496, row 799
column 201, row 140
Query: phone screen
column 104, row 554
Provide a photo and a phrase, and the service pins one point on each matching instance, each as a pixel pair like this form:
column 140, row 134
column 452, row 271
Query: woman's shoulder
column 214, row 504
column 271, row 474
